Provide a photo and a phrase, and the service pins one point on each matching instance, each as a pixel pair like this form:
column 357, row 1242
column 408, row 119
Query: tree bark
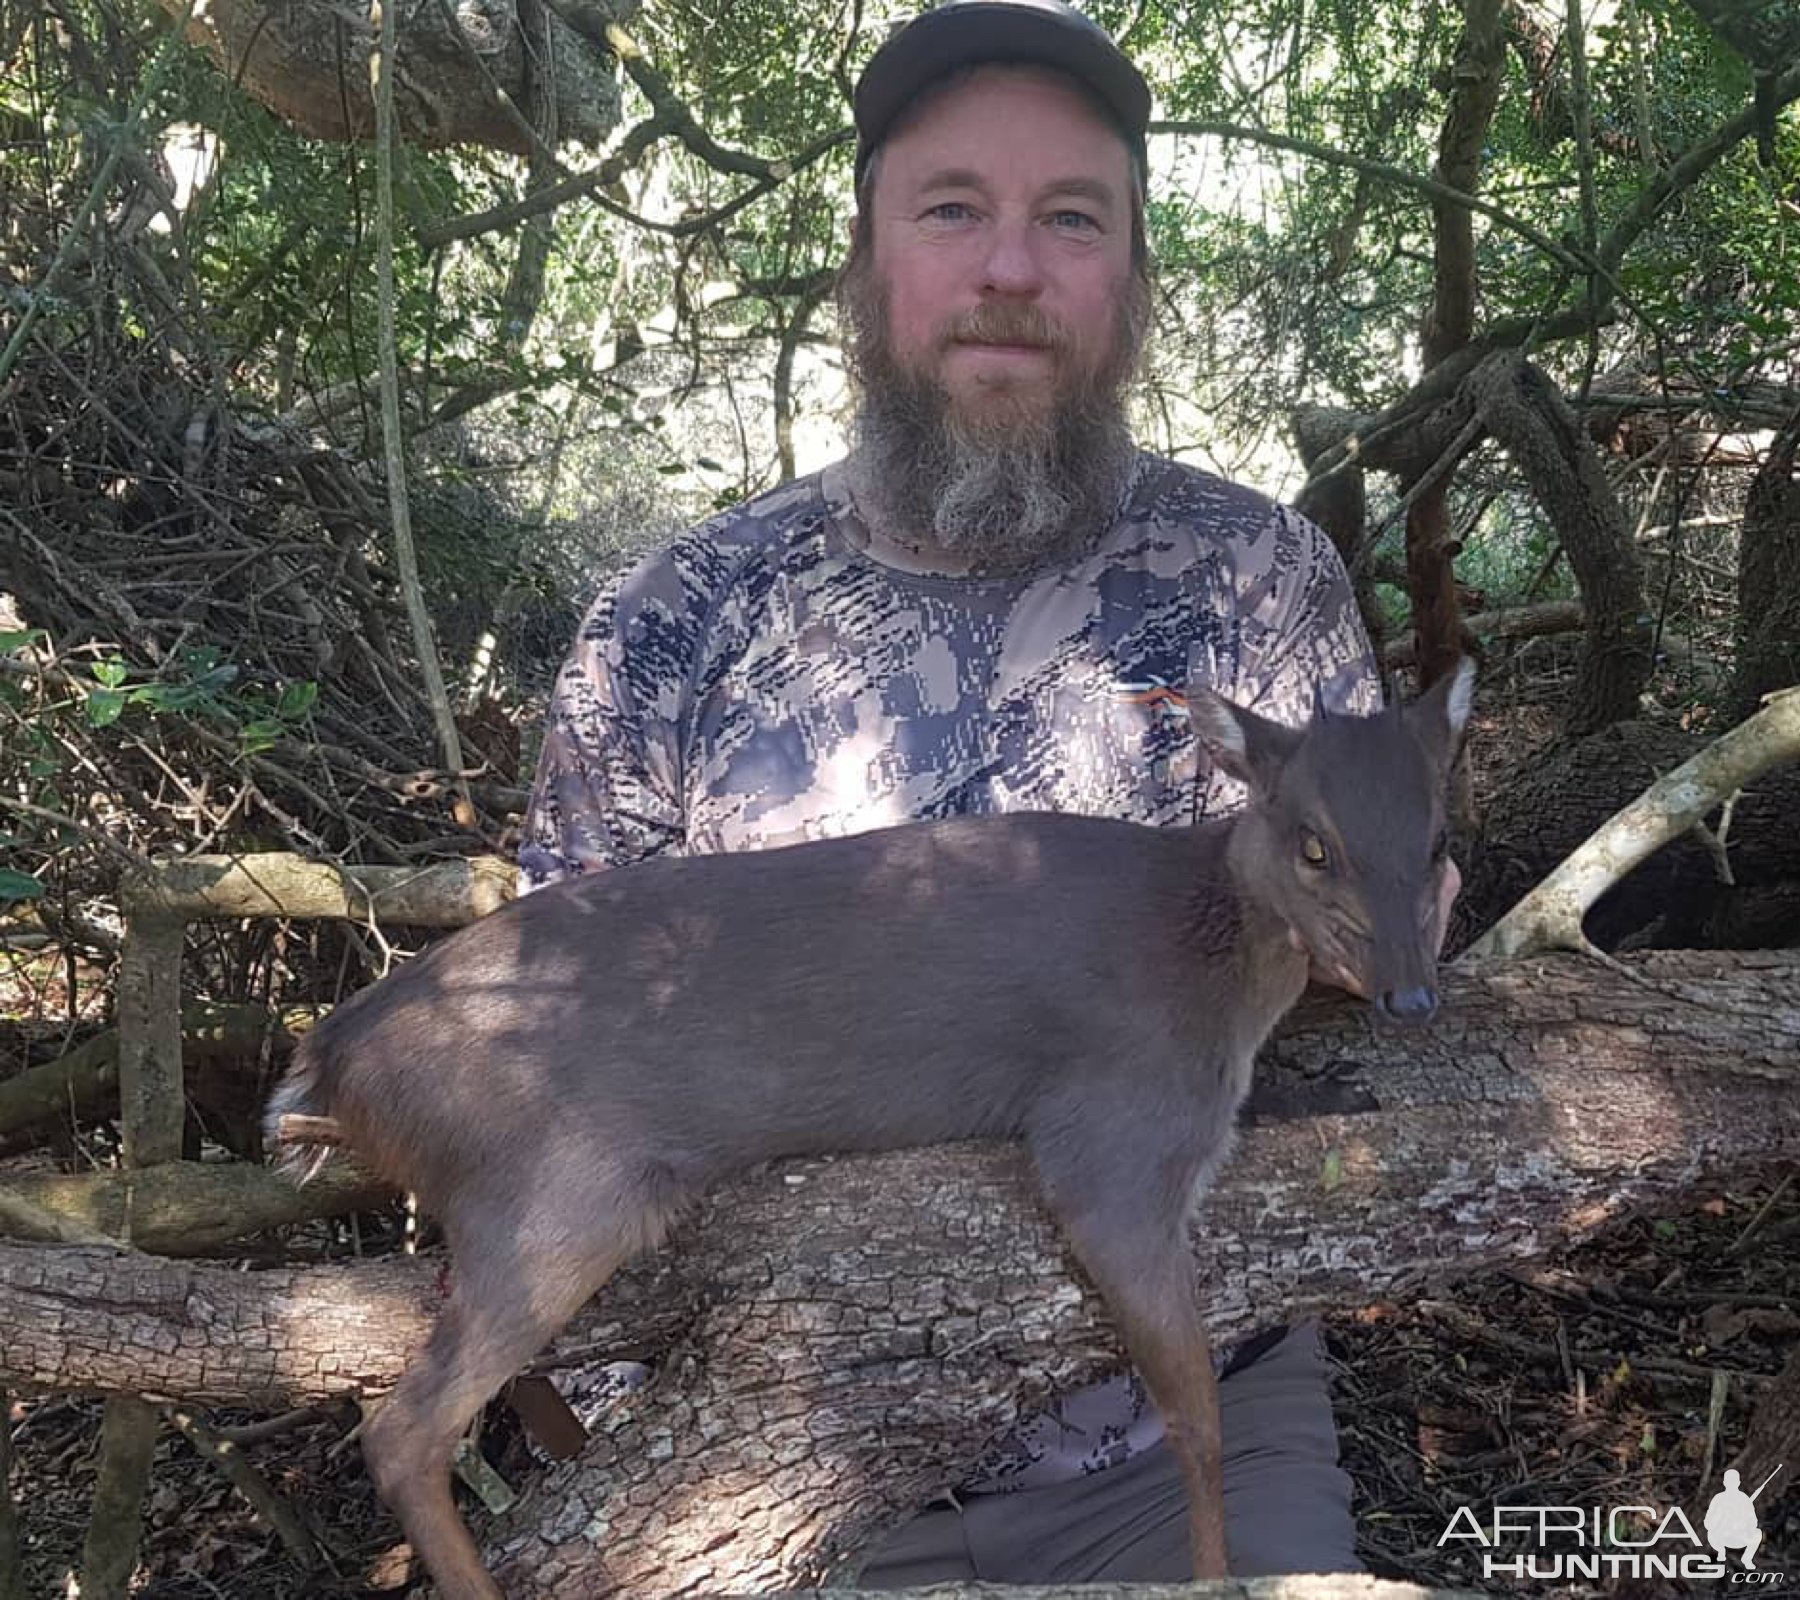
column 1768, row 590
column 185, row 1208
column 1449, row 323
column 1338, row 502
column 1532, row 422
column 839, row 1339
column 307, row 61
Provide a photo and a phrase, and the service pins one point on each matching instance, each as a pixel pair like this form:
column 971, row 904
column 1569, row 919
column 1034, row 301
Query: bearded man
column 996, row 602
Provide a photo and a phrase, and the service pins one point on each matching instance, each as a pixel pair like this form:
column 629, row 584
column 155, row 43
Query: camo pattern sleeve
column 608, row 787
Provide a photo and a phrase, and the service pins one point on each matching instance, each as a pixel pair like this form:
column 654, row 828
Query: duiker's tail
column 298, row 1124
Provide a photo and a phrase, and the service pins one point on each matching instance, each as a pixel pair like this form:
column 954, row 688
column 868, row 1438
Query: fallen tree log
column 838, row 1339
column 187, row 1208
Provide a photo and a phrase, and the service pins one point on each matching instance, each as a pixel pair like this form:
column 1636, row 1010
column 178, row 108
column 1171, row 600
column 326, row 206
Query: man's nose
column 1012, row 265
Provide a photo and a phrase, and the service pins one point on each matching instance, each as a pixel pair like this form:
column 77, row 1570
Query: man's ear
column 1242, row 745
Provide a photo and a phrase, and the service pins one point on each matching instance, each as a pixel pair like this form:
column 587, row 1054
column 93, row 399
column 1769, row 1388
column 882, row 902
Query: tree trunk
column 1430, row 551
column 1338, row 502
column 839, row 1339
column 307, row 61
column 1527, row 414
column 1768, row 618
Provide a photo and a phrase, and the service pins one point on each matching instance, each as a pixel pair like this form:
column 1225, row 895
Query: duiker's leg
column 517, row 1279
column 1127, row 1222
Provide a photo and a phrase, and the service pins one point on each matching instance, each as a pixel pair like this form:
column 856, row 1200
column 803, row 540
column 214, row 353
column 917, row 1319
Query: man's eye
column 950, row 211
column 1075, row 221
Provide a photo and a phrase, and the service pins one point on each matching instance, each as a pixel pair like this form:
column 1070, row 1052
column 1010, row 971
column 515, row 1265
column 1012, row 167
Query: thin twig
column 237, row 1471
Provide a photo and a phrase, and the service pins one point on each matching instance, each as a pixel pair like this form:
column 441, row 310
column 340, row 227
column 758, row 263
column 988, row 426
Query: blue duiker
column 558, row 1081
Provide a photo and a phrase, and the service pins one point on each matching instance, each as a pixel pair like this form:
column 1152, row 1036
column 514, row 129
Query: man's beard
column 1011, row 485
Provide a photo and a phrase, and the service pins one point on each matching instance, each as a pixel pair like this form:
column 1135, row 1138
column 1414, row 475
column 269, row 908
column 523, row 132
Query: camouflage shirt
column 765, row 679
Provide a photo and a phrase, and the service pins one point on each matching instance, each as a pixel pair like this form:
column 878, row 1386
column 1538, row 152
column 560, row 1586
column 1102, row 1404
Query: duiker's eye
column 1313, row 851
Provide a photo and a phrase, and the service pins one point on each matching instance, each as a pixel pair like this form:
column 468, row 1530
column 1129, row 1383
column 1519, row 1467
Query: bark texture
column 1768, row 616
column 308, row 62
column 185, row 1208
column 1529, row 418
column 837, row 1340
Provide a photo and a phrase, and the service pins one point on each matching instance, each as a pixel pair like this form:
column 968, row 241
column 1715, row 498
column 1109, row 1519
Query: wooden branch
column 291, row 57
column 1527, row 416
column 841, row 1338
column 1550, row 917
column 1511, row 622
column 445, row 894
column 1686, row 171
column 179, row 1208
column 84, row 1081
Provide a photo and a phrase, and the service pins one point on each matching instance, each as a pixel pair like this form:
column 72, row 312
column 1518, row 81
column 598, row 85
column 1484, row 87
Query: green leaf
column 18, row 638
column 104, row 707
column 18, row 886
column 297, row 699
column 1333, row 1173
column 256, row 737
column 110, row 673
column 160, row 696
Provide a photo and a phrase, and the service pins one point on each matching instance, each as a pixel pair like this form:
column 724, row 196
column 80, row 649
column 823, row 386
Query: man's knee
column 1287, row 1501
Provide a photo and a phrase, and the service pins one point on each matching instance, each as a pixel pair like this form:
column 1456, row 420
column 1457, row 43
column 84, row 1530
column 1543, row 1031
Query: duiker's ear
column 1243, row 745
column 1439, row 716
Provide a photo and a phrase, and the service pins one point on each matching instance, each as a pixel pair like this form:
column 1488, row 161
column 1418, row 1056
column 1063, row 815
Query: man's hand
column 1448, row 888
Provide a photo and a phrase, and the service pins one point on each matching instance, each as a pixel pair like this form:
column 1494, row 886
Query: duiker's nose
column 1410, row 1005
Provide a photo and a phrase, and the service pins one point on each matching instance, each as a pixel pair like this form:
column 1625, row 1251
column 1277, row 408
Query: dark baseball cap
column 960, row 33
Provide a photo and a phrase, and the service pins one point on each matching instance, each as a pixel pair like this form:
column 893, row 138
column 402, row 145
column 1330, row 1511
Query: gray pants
column 1287, row 1502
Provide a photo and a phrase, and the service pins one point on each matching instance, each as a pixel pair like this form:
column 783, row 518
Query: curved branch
column 1550, row 917
column 1399, row 177
column 1685, row 171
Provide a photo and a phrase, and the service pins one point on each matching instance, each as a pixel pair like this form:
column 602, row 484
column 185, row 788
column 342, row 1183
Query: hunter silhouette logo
column 1731, row 1519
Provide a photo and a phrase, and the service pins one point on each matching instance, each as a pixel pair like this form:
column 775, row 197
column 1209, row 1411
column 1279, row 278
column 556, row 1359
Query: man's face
column 994, row 317
column 1002, row 242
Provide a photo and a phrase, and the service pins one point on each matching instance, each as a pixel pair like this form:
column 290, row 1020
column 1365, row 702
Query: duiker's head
column 1345, row 835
